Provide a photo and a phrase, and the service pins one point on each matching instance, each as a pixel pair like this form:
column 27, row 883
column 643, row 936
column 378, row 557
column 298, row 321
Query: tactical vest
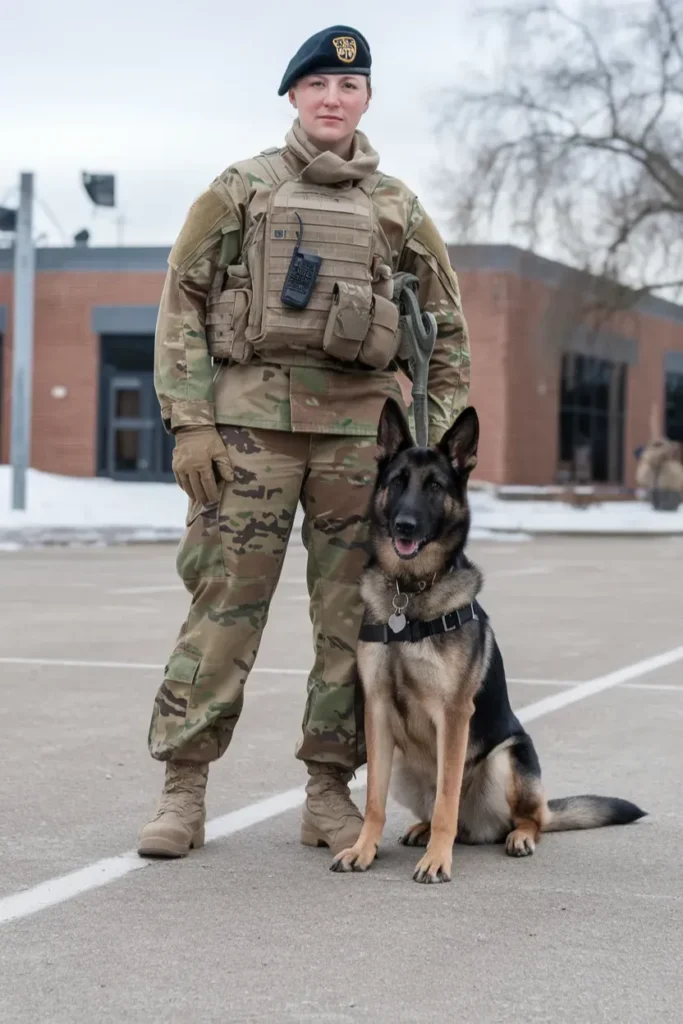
column 349, row 315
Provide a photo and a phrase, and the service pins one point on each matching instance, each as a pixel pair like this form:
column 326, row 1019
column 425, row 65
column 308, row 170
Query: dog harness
column 412, row 630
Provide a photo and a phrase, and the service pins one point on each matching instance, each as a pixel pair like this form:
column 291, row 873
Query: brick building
column 555, row 401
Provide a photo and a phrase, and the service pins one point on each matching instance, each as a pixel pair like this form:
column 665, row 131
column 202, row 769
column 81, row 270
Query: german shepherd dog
column 436, row 699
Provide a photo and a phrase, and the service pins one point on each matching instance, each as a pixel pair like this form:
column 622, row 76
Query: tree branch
column 579, row 149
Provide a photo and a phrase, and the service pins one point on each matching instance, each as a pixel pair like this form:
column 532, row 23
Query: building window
column 674, row 405
column 593, row 395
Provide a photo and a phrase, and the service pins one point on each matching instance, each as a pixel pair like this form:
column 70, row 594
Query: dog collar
column 421, row 585
column 415, row 629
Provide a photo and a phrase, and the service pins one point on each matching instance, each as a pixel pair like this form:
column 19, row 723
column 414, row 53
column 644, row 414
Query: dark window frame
column 592, row 417
column 673, row 405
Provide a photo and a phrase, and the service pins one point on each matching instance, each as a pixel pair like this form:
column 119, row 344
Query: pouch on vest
column 337, row 227
column 349, row 320
column 383, row 338
column 227, row 311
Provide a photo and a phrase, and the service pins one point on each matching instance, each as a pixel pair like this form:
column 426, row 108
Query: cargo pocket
column 382, row 340
column 200, row 552
column 227, row 316
column 175, row 696
column 348, row 320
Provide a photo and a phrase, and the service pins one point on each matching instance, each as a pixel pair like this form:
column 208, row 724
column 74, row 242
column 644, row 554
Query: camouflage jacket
column 300, row 392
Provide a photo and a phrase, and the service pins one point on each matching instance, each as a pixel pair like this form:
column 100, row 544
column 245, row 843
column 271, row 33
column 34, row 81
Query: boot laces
column 178, row 786
column 336, row 795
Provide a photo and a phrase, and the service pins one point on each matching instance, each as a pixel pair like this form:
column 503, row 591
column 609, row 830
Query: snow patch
column 92, row 510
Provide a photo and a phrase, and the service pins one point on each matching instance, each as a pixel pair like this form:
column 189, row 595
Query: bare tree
column 577, row 150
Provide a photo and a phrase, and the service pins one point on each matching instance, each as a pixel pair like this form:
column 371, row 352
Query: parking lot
column 253, row 927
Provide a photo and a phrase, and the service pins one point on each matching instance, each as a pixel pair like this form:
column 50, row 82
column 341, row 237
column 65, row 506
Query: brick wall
column 512, row 320
column 645, row 395
column 66, row 351
column 485, row 301
column 516, row 341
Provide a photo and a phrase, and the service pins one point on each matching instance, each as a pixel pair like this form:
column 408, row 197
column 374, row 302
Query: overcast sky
column 166, row 94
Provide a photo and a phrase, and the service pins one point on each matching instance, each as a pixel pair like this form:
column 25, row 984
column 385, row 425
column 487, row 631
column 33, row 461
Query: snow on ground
column 91, row 501
column 88, row 510
column 95, row 510
column 490, row 513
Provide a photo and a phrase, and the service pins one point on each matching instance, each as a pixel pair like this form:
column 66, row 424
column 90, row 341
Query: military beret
column 338, row 50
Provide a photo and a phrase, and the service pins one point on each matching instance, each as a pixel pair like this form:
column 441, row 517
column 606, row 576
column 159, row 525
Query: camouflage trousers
column 230, row 559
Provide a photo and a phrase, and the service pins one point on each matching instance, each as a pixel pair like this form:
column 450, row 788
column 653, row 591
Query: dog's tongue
column 407, row 547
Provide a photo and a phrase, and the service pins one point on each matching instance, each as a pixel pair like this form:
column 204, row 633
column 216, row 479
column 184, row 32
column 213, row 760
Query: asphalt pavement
column 254, row 927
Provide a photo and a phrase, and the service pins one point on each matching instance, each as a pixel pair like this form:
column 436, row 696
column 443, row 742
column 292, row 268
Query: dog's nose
column 405, row 526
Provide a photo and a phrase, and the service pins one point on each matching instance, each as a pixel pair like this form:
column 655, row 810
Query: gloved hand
column 197, row 450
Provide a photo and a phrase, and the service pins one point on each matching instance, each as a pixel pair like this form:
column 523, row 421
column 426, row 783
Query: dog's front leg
column 452, row 732
column 379, row 740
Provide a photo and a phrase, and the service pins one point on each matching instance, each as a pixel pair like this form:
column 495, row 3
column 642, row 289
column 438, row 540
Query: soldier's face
column 330, row 106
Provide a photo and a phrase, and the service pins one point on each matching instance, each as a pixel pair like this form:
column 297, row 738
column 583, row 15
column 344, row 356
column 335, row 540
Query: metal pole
column 22, row 343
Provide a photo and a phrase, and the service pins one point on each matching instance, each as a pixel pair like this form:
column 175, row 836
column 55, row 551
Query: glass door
column 133, row 441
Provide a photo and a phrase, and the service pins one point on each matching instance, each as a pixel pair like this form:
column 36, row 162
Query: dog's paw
column 356, row 858
column 417, row 835
column 519, row 844
column 435, row 866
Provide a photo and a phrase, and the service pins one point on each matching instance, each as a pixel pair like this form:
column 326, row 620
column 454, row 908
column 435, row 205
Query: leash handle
column 421, row 330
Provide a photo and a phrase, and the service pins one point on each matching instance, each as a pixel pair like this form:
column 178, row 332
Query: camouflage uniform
column 297, row 426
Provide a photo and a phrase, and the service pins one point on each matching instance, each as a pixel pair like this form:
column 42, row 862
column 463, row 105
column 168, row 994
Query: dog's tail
column 574, row 812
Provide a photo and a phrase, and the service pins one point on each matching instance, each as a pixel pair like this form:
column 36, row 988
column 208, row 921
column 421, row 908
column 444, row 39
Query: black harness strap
column 415, row 630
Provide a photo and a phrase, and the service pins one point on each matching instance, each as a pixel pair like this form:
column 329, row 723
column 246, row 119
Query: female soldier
column 277, row 344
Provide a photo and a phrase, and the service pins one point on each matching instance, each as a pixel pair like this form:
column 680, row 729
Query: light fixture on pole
column 100, row 187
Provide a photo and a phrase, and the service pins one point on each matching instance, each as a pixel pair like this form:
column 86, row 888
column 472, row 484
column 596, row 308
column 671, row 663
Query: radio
column 301, row 274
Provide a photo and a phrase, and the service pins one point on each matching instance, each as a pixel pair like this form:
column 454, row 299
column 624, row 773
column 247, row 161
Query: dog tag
column 397, row 622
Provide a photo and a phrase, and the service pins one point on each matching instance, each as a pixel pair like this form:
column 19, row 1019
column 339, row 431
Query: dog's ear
column 459, row 443
column 393, row 432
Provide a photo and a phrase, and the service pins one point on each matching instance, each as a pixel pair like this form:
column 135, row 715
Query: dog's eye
column 434, row 485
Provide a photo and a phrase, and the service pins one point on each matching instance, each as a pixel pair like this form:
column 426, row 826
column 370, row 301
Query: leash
column 420, row 330
column 412, row 630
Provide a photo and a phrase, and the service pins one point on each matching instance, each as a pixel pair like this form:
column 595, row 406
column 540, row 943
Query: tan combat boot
column 329, row 816
column 178, row 825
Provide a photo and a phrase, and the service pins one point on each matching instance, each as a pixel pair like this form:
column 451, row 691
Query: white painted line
column 267, row 671
column 150, row 667
column 532, row 570
column 165, row 588
column 670, row 688
column 283, row 671
column 144, row 665
column 235, row 821
column 541, row 682
column 131, row 609
column 65, row 887
column 667, row 687
column 72, row 663
column 593, row 686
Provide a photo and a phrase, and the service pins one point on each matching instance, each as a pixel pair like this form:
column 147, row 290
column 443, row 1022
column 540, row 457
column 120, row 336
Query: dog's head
column 420, row 515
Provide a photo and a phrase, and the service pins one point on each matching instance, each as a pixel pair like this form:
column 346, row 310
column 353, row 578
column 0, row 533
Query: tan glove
column 198, row 454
